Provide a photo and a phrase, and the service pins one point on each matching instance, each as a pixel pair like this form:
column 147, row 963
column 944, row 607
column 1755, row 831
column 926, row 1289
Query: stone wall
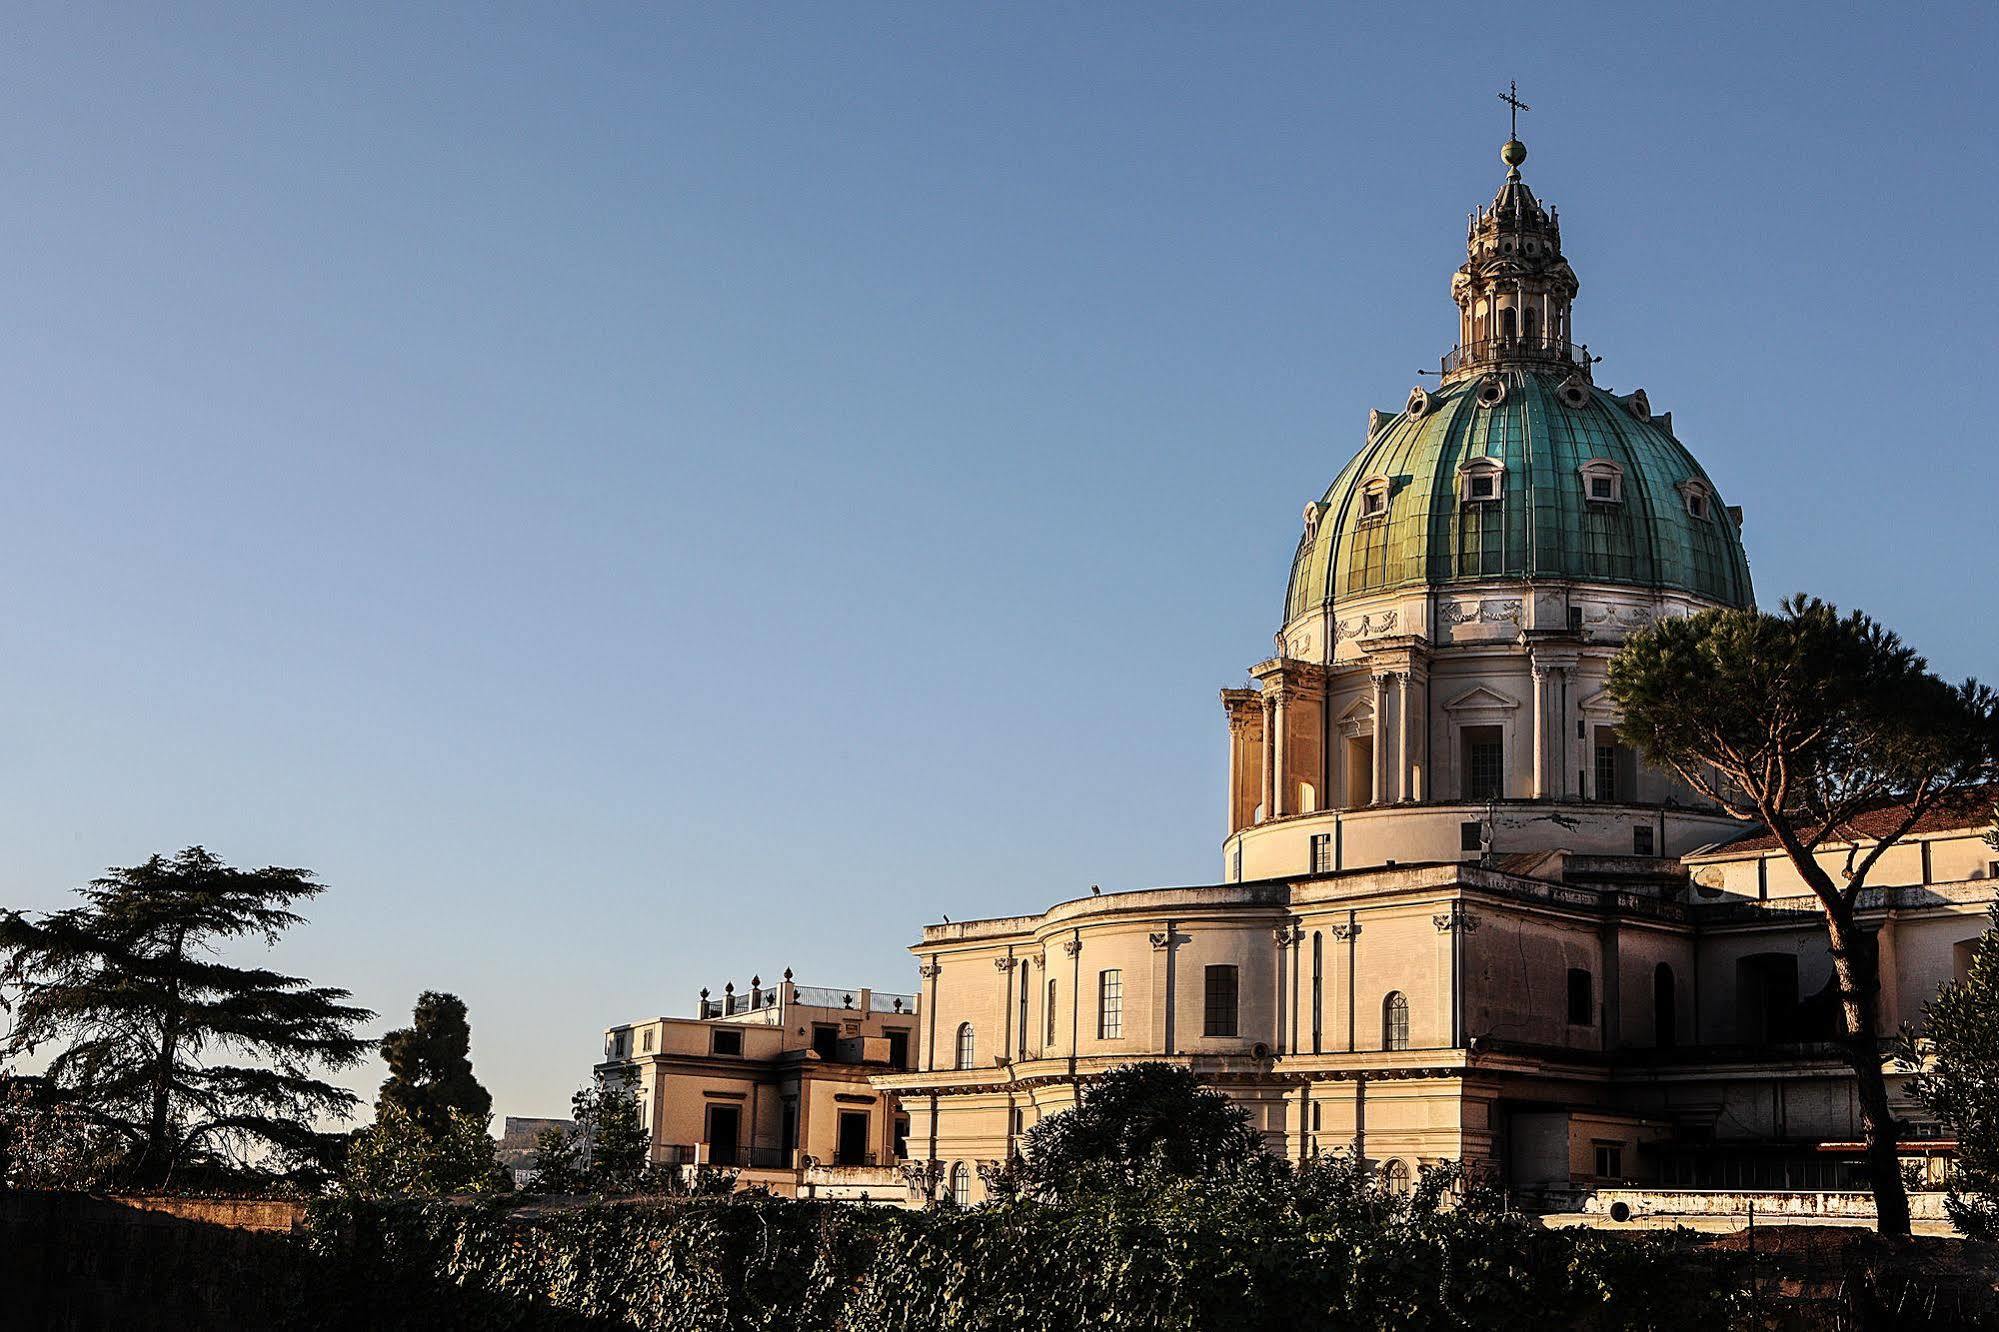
column 1775, row 1206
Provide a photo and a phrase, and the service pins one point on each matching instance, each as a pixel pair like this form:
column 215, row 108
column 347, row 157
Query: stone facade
column 1561, row 1019
column 1457, row 918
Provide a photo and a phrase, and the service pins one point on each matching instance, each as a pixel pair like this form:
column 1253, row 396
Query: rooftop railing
column 762, row 1004
column 1556, row 351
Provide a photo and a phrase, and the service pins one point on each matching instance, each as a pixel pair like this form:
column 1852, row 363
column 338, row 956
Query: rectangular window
column 728, row 1043
column 1110, row 1005
column 1471, row 835
column 1360, row 771
column 1606, row 766
column 1610, row 1160
column 1582, row 998
column 1484, row 763
column 1051, row 1012
column 1602, row 488
column 1641, row 840
column 826, row 1040
column 648, row 1040
column 1219, row 1015
column 898, row 1049
column 1322, row 853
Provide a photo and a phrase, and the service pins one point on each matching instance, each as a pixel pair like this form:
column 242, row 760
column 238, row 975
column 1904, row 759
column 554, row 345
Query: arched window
column 1395, row 1177
column 1665, row 1030
column 1506, row 323
column 1395, row 1022
column 965, row 1045
column 961, row 1184
column 1533, row 322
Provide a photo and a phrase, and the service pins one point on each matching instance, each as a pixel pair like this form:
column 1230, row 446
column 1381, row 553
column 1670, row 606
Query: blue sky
column 636, row 497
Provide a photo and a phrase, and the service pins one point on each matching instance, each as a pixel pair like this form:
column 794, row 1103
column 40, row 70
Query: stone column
column 1380, row 775
column 1005, row 967
column 1235, row 776
column 1416, row 723
column 1540, row 791
column 1280, row 789
column 1270, row 760
column 1558, row 726
column 1348, row 933
column 1247, row 759
column 1553, row 779
column 1454, row 922
column 1401, row 733
column 930, row 971
column 1281, row 936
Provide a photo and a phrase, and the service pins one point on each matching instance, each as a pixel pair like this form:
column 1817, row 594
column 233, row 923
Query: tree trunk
column 1856, row 964
column 155, row 1161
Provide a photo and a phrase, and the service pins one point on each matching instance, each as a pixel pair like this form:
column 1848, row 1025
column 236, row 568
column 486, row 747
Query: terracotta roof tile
column 1973, row 809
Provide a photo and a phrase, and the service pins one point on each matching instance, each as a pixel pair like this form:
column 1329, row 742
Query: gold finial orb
column 1514, row 153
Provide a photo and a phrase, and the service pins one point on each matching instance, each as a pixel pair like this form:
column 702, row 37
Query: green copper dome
column 1410, row 509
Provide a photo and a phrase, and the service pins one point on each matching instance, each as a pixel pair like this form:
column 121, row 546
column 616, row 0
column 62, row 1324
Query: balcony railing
column 1558, row 351
column 879, row 1001
column 762, row 1004
column 729, row 1158
column 750, row 1158
column 762, row 1007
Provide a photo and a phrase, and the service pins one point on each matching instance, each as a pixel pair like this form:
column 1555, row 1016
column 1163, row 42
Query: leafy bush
column 1265, row 1246
column 397, row 1156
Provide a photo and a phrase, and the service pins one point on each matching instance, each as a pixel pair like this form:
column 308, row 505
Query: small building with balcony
column 773, row 1083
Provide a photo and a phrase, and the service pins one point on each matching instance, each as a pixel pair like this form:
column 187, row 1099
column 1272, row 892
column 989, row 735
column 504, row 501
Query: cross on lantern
column 1512, row 99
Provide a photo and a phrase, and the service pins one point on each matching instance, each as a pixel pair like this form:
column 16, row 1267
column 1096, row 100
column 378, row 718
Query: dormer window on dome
column 1374, row 497
column 1481, row 481
column 1603, row 481
column 1699, row 499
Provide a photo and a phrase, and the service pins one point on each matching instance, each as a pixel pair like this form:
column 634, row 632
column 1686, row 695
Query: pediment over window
column 1359, row 716
column 1601, row 704
column 1480, row 699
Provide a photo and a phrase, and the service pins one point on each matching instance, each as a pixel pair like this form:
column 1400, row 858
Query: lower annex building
column 1458, row 919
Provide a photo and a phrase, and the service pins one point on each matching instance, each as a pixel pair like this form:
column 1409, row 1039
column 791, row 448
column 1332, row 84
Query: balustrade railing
column 1559, row 351
column 764, row 1003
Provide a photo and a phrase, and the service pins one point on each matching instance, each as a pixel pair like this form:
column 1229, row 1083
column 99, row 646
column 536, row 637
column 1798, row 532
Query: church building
column 1456, row 918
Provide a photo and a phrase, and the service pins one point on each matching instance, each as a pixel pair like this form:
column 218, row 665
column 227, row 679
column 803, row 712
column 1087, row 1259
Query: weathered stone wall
column 72, row 1261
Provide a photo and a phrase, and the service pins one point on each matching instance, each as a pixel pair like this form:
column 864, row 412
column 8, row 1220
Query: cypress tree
column 430, row 1066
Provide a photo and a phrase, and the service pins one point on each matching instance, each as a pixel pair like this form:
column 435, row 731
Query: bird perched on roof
column 1096, row 891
